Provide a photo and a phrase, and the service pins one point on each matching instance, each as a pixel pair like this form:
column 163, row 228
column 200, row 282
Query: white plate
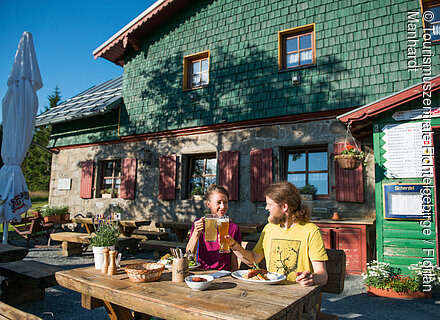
column 170, row 266
column 275, row 277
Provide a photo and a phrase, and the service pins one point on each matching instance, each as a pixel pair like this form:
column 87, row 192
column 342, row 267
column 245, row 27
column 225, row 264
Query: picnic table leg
column 180, row 234
column 116, row 312
column 89, row 228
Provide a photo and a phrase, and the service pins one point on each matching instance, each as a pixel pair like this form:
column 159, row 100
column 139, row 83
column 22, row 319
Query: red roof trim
column 114, row 48
column 389, row 102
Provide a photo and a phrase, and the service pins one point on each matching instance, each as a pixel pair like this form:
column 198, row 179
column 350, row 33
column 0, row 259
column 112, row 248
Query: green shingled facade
column 360, row 57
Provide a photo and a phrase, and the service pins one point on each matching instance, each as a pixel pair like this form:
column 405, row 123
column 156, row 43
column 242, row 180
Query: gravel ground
column 63, row 304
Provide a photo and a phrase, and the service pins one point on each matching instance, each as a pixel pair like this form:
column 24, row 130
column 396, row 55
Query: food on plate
column 198, row 279
column 256, row 274
column 168, row 260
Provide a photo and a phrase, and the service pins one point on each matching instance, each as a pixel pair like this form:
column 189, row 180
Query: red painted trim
column 114, row 51
column 390, row 102
column 300, row 118
column 167, row 177
column 228, row 174
column 85, row 191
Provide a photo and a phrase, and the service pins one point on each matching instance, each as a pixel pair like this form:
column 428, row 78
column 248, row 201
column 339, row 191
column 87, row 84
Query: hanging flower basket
column 349, row 162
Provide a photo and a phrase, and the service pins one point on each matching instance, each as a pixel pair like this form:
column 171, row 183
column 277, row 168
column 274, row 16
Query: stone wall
column 146, row 203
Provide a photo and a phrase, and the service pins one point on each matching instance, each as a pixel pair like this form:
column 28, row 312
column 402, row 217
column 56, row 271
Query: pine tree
column 37, row 163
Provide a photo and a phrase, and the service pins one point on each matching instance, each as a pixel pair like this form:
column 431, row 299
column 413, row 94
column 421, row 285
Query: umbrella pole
column 5, row 232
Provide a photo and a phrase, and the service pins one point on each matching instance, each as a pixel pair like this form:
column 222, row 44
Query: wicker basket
column 144, row 272
column 348, row 162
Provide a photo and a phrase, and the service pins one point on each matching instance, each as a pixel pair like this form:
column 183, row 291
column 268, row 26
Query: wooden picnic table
column 181, row 229
column 227, row 298
column 126, row 226
column 12, row 253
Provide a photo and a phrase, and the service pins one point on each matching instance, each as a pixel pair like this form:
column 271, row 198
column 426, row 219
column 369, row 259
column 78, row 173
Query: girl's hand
column 199, row 225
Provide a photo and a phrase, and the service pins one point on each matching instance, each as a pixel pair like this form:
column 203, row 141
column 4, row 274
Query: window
column 202, row 172
column 196, row 70
column 308, row 166
column 296, row 47
column 434, row 7
column 111, row 175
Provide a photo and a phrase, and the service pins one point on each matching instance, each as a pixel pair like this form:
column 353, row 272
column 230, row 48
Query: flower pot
column 376, row 292
column 308, row 197
column 348, row 162
column 108, row 195
column 197, row 197
column 57, row 219
column 99, row 257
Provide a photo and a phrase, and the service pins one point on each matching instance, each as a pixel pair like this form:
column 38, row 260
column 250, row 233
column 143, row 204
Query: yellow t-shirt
column 291, row 250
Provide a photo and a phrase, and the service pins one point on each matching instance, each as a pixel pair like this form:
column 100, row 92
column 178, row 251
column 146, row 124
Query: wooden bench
column 8, row 312
column 161, row 246
column 10, row 253
column 73, row 243
column 336, row 265
column 26, row 281
column 149, row 235
column 29, row 227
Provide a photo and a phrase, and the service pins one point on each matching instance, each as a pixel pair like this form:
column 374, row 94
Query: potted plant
column 382, row 280
column 109, row 193
column 105, row 236
column 197, row 193
column 55, row 214
column 308, row 192
column 350, row 158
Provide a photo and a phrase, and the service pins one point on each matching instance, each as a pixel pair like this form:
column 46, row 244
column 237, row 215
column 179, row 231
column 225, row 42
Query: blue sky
column 65, row 35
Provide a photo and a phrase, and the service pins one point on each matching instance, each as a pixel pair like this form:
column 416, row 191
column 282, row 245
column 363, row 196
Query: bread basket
column 144, row 272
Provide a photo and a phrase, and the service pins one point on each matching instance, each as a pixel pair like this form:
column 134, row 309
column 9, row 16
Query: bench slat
column 76, row 237
column 8, row 312
column 161, row 245
column 42, row 274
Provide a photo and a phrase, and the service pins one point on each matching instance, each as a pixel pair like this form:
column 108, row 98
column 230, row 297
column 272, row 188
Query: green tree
column 37, row 163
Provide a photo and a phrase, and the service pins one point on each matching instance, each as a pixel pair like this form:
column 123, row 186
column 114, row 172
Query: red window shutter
column 349, row 183
column 261, row 173
column 85, row 191
column 128, row 178
column 228, row 172
column 167, row 177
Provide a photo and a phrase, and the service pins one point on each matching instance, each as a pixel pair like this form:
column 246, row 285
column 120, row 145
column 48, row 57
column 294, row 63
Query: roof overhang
column 131, row 35
column 361, row 119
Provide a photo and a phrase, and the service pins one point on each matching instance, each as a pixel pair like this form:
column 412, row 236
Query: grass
column 38, row 199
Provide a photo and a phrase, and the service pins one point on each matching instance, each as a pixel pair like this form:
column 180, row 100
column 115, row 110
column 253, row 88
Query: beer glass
column 210, row 228
column 223, row 228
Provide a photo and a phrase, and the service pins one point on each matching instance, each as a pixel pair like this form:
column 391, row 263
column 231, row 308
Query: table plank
column 227, row 298
column 127, row 226
column 12, row 253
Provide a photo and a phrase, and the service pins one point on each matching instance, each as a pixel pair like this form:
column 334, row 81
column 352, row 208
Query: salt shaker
column 105, row 263
column 112, row 269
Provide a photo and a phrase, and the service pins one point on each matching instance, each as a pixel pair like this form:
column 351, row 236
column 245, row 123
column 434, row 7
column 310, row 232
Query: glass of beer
column 223, row 228
column 210, row 228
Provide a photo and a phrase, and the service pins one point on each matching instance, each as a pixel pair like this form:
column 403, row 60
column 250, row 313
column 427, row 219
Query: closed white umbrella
column 20, row 106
